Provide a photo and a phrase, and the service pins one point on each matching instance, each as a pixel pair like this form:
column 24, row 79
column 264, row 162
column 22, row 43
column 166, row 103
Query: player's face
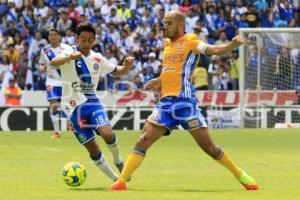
column 86, row 41
column 54, row 38
column 171, row 26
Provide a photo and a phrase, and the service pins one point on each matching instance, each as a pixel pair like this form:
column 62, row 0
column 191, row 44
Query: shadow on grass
column 153, row 190
column 186, row 190
column 89, row 189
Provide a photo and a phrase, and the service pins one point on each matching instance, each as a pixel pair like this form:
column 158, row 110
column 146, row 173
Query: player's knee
column 106, row 133
column 144, row 141
column 210, row 149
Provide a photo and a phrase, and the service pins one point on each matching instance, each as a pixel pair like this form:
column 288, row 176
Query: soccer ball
column 74, row 174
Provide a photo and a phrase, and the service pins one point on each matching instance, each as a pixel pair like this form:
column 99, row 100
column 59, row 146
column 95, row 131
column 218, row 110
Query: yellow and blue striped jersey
column 179, row 60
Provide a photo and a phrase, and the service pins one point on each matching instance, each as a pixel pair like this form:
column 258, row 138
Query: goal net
column 270, row 78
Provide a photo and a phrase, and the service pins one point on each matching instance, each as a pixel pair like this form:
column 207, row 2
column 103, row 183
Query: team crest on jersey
column 96, row 66
column 179, row 47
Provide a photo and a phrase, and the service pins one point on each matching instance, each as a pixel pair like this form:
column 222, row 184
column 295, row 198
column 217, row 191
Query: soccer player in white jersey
column 80, row 69
column 53, row 80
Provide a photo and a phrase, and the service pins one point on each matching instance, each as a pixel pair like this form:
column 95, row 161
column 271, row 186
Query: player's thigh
column 151, row 133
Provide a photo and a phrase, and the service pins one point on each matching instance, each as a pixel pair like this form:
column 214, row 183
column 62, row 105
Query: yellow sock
column 133, row 161
column 230, row 165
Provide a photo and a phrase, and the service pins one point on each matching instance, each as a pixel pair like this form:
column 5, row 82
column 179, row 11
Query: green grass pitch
column 175, row 168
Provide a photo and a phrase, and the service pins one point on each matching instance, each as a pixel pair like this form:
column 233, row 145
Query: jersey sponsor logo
column 174, row 57
column 167, row 69
column 82, row 87
column 96, row 66
column 193, row 123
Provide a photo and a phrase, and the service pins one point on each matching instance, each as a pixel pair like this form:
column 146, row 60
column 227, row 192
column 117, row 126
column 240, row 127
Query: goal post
column 269, row 77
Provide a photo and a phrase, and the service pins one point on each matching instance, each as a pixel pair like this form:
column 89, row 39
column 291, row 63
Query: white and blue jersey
column 53, row 80
column 79, row 101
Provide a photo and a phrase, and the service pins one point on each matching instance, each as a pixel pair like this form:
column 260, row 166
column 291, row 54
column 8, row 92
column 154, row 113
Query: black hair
column 54, row 30
column 87, row 27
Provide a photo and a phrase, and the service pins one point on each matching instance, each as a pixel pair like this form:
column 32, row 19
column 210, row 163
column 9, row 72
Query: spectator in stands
column 137, row 83
column 222, row 39
column 64, row 22
column 69, row 38
column 12, row 53
column 12, row 31
column 234, row 69
column 120, row 85
column 185, row 7
column 287, row 11
column 5, row 66
column 41, row 9
column 12, row 94
column 213, row 71
column 37, row 44
column 5, row 40
column 154, row 64
column 123, row 12
column 212, row 19
column 252, row 16
column 201, row 31
column 199, row 78
column 223, row 78
column 106, row 8
column 284, row 70
column 133, row 21
column 239, row 10
column 113, row 18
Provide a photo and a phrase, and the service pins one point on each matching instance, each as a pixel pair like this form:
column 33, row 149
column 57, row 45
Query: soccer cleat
column 248, row 182
column 120, row 167
column 117, row 187
column 56, row 135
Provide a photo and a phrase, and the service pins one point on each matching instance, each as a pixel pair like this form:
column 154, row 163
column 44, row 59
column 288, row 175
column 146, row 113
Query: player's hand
column 128, row 62
column 153, row 85
column 75, row 55
column 237, row 41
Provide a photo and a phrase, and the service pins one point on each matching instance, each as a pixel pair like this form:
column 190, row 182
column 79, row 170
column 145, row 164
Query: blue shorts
column 86, row 118
column 173, row 111
column 54, row 92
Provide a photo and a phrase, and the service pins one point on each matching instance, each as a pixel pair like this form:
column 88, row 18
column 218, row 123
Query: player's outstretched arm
column 224, row 48
column 125, row 68
column 62, row 59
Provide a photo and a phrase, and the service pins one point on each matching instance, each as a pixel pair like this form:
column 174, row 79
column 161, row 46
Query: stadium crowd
column 132, row 28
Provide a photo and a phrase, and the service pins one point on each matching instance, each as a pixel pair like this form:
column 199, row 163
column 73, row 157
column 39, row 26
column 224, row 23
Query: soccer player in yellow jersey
column 178, row 104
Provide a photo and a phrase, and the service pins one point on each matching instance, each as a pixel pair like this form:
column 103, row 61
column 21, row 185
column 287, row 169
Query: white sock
column 114, row 149
column 101, row 162
column 55, row 121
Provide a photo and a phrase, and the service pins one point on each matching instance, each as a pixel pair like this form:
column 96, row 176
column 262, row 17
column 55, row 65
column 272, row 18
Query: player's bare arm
column 60, row 60
column 153, row 85
column 226, row 48
column 125, row 68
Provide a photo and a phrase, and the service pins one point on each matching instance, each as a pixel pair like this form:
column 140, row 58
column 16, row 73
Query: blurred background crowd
column 132, row 28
